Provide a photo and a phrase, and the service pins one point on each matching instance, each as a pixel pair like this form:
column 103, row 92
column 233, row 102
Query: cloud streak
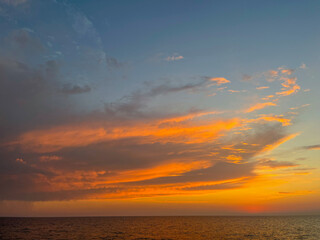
column 259, row 106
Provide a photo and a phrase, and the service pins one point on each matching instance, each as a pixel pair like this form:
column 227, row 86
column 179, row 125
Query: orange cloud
column 195, row 134
column 221, row 88
column 164, row 170
column 287, row 71
column 220, row 80
column 53, row 139
column 294, row 89
column 74, row 180
column 290, row 86
column 260, row 106
column 267, row 97
column 187, row 117
column 263, row 87
column 234, row 158
column 272, row 118
column 20, row 160
column 271, row 75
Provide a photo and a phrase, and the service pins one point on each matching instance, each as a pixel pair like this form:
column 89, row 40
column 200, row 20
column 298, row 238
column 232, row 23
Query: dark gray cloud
column 312, row 147
column 23, row 91
column 12, row 163
column 74, row 89
column 132, row 105
column 23, row 42
column 32, row 195
column 126, row 154
column 166, row 88
column 277, row 164
column 28, row 97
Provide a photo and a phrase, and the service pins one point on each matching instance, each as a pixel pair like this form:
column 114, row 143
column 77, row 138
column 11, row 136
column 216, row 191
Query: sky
column 121, row 108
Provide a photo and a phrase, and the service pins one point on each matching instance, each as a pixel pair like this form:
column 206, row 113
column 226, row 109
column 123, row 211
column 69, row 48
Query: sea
column 162, row 228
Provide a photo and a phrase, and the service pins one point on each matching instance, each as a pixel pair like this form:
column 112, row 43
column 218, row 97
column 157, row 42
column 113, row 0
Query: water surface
column 161, row 228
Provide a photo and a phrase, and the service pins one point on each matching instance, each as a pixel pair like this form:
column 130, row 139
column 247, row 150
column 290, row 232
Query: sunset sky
column 170, row 107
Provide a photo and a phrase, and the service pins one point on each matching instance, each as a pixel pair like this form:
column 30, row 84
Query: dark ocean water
column 161, row 228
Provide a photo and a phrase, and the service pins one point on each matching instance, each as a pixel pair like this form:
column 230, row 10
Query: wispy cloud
column 175, row 57
column 272, row 118
column 312, row 147
column 114, row 63
column 259, row 106
column 262, row 87
column 303, row 66
column 233, row 91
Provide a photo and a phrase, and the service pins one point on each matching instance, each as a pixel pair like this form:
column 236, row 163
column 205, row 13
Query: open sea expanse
column 161, row 228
